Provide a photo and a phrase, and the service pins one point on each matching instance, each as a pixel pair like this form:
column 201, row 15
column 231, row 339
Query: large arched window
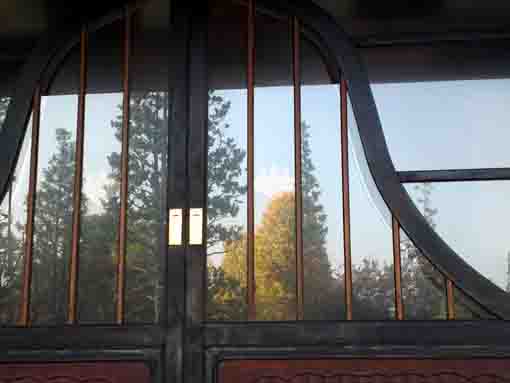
column 306, row 217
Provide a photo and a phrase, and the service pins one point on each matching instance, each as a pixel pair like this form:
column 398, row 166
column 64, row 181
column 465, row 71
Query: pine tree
column 226, row 292
column 147, row 175
column 11, row 255
column 52, row 233
column 224, row 172
column 423, row 286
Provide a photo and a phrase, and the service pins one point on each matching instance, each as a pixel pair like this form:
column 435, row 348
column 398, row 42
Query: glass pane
column 4, row 106
column 322, row 191
column 101, row 177
column 53, row 209
column 423, row 287
column 466, row 308
column 275, row 259
column 371, row 240
column 13, row 218
column 471, row 218
column 146, row 215
column 227, row 166
column 427, row 117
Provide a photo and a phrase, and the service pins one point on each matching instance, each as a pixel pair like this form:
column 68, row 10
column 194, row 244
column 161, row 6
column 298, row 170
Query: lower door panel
column 365, row 371
column 75, row 372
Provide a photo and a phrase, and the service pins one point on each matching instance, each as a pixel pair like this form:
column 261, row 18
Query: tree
column 275, row 265
column 224, row 172
column 11, row 255
column 11, row 248
column 52, row 233
column 373, row 290
column 423, row 287
column 226, row 293
column 323, row 293
column 146, row 201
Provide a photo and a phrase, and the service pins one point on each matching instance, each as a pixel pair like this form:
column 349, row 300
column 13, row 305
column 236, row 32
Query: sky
column 433, row 125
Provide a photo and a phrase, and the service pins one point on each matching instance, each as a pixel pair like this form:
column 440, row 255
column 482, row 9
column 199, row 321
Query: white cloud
column 94, row 190
column 274, row 180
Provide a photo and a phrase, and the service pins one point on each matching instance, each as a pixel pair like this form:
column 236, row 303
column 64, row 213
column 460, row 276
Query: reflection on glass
column 227, row 178
column 473, row 114
column 101, row 177
column 4, row 105
column 373, row 282
column 275, row 255
column 13, row 218
column 146, row 204
column 466, row 308
column 471, row 218
column 423, row 287
column 53, row 209
column 322, row 202
column 148, row 148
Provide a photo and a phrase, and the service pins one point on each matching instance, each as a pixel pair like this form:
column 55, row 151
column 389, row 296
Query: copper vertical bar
column 346, row 218
column 296, row 68
column 450, row 299
column 24, row 319
column 251, row 163
column 397, row 268
column 78, row 179
column 121, row 251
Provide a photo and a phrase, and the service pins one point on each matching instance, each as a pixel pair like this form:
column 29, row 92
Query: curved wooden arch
column 39, row 69
column 340, row 52
column 338, row 47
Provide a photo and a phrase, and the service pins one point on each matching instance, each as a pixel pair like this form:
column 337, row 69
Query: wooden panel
column 90, row 372
column 365, row 371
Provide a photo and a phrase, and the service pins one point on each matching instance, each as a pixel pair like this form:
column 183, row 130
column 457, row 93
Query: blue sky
column 435, row 125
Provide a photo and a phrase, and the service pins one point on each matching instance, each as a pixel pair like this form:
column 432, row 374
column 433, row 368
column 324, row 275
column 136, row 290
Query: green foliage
column 224, row 171
column 227, row 291
column 11, row 255
column 52, row 233
column 148, row 148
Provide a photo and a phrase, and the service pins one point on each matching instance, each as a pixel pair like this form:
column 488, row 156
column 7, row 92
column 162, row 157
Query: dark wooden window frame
column 185, row 348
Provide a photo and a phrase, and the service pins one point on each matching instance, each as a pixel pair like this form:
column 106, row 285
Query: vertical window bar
column 296, row 68
column 397, row 268
column 78, row 179
column 251, row 163
column 344, row 148
column 121, row 251
column 24, row 319
column 450, row 300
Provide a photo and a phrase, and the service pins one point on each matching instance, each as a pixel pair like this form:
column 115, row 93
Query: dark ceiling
column 384, row 30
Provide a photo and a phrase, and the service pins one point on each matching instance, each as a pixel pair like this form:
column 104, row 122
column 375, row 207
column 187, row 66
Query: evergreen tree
column 226, row 293
column 423, row 287
column 146, row 201
column 323, row 294
column 224, row 172
column 11, row 255
column 52, row 233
